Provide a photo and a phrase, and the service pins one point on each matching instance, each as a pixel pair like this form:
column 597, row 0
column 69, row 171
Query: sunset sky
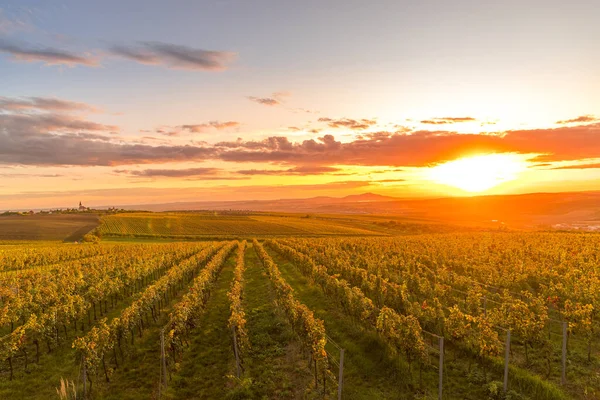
column 135, row 102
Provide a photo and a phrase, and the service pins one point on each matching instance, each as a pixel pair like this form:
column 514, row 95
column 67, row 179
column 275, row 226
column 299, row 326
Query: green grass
column 275, row 363
column 207, row 362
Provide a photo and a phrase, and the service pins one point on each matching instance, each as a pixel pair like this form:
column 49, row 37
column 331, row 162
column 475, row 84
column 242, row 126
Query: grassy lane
column 207, row 362
column 275, row 362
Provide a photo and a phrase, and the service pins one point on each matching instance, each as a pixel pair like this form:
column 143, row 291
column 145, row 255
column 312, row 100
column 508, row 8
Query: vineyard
column 434, row 316
column 202, row 226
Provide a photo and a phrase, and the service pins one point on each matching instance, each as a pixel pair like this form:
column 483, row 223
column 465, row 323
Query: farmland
column 269, row 317
column 68, row 227
column 198, row 226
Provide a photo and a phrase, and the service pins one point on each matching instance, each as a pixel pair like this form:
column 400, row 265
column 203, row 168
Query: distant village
column 77, row 210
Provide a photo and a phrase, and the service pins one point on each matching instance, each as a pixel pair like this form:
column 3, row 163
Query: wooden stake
column 235, row 351
column 506, row 357
column 441, row 369
column 563, row 378
column 341, row 375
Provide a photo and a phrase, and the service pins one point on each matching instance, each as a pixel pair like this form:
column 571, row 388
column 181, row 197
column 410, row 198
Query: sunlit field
column 193, row 225
column 158, row 320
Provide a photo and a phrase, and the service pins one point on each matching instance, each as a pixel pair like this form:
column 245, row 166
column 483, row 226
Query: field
column 267, row 319
column 176, row 226
column 202, row 226
column 67, row 227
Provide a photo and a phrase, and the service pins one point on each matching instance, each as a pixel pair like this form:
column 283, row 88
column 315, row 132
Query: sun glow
column 478, row 173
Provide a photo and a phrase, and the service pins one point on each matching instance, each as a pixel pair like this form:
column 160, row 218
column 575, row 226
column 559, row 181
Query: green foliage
column 90, row 238
column 242, row 389
column 495, row 391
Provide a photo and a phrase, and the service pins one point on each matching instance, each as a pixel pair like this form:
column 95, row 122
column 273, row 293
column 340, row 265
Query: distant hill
column 365, row 197
column 576, row 209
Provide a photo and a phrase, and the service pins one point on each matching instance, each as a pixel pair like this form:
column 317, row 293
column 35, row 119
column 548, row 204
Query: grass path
column 275, row 362
column 207, row 362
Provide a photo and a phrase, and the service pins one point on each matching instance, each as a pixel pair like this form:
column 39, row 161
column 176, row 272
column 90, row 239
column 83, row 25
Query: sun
column 478, row 173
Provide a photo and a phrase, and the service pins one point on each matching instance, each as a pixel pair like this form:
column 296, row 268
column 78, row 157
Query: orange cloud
column 349, row 123
column 50, row 138
column 197, row 128
column 42, row 104
column 448, row 120
column 266, row 101
column 304, row 170
column 580, row 166
column 579, row 120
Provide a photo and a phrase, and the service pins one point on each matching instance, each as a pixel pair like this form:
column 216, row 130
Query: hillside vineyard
column 452, row 316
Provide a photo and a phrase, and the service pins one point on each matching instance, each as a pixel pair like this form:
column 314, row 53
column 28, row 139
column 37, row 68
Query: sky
column 138, row 102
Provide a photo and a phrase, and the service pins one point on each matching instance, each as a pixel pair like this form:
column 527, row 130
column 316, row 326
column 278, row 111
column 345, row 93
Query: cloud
column 10, row 25
column 349, row 123
column 31, row 175
column 559, row 144
column 580, row 166
column 541, row 165
column 303, row 110
column 579, row 120
column 47, row 55
column 60, row 139
column 276, row 98
column 197, row 128
column 386, row 171
column 28, row 124
column 377, row 135
column 175, row 56
column 42, row 104
column 389, row 180
column 448, row 120
column 433, row 122
column 197, row 173
column 266, row 101
column 53, row 138
column 305, row 170
column 418, row 148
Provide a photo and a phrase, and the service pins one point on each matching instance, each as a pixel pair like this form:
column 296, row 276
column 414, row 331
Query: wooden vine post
column 236, row 352
column 441, row 369
column 341, row 375
column 506, row 357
